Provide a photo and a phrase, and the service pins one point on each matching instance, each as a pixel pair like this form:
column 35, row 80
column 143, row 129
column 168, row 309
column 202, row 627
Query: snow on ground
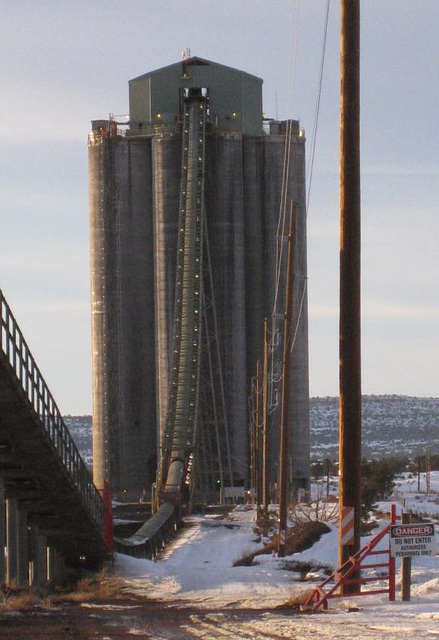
column 406, row 486
column 419, row 502
column 408, row 482
column 197, row 571
column 198, row 568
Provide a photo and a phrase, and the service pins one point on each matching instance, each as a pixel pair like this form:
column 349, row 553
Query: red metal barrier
column 356, row 564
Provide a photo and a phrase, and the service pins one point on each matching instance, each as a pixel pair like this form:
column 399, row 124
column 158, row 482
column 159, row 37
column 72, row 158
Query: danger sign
column 411, row 540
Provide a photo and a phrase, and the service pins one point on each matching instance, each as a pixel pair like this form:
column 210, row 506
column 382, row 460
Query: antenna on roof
column 185, row 54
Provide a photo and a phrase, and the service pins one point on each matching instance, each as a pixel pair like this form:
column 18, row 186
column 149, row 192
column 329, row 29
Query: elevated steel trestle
column 196, row 431
column 179, row 442
column 40, row 466
column 181, row 424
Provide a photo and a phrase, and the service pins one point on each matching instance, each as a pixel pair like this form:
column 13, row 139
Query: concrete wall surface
column 134, row 185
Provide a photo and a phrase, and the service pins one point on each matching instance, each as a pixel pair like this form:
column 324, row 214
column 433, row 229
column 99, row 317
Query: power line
column 317, row 109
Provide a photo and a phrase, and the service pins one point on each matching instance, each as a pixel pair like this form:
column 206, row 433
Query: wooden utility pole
column 265, row 434
column 327, row 470
column 258, row 438
column 406, row 567
column 285, row 400
column 427, row 472
column 254, row 442
column 350, row 304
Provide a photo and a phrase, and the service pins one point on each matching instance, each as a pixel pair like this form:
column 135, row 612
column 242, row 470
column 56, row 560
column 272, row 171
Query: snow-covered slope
column 198, row 573
column 392, row 425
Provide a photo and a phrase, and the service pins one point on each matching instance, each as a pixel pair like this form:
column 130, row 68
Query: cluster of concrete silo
column 134, row 211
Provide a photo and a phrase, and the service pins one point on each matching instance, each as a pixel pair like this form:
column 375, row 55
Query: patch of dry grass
column 19, row 601
column 92, row 588
column 266, row 523
column 300, row 537
column 297, row 600
column 99, row 587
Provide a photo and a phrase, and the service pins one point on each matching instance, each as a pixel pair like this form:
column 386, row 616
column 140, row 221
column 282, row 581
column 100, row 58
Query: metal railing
column 213, row 124
column 152, row 536
column 24, row 368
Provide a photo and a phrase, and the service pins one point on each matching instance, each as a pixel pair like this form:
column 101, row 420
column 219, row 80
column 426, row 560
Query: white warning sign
column 412, row 540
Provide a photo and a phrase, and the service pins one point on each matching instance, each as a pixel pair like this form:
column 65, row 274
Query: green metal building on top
column 234, row 97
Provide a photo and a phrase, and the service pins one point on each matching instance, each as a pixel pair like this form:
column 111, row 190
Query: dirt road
column 138, row 619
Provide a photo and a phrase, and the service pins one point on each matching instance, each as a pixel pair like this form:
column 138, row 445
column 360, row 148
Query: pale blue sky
column 65, row 63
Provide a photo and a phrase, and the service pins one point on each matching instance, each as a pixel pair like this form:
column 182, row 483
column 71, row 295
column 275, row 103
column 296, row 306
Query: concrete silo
column 135, row 191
